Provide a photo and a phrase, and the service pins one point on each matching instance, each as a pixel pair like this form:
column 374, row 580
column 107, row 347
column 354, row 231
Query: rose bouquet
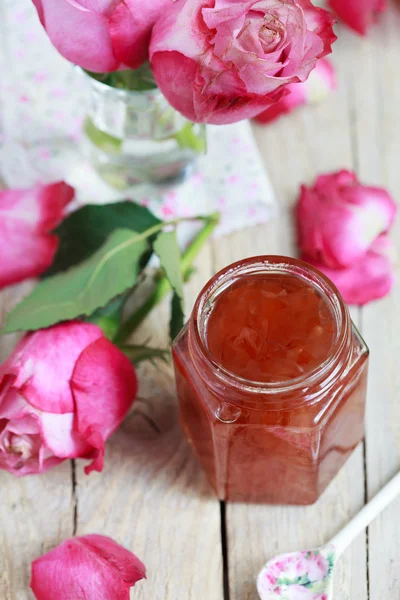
column 160, row 71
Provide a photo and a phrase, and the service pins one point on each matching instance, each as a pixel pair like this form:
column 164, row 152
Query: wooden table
column 152, row 496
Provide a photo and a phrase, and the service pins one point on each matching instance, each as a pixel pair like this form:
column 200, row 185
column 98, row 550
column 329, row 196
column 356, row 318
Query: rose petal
column 104, row 386
column 371, row 278
column 93, row 567
column 44, row 361
column 26, row 218
column 80, row 35
column 338, row 218
column 358, row 14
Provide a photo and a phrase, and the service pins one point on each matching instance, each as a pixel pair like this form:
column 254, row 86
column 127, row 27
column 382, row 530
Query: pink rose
column 370, row 278
column 358, row 14
column 63, row 392
column 338, row 218
column 92, row 567
column 220, row 62
column 101, row 35
column 27, row 217
column 319, row 84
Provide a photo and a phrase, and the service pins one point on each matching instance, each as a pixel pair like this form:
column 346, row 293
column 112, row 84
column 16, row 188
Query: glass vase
column 134, row 137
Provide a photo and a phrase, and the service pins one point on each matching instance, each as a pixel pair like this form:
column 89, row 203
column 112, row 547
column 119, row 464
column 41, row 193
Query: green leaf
column 138, row 354
column 167, row 249
column 177, row 317
column 109, row 317
column 87, row 229
column 81, row 290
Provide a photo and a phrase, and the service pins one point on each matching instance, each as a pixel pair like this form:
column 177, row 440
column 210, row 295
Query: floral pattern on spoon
column 302, row 575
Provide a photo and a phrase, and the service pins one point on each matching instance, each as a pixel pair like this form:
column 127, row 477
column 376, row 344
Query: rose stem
column 163, row 286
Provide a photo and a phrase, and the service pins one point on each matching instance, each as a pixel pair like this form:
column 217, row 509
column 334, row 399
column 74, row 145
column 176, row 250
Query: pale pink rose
column 370, row 278
column 63, row 392
column 220, row 62
column 101, row 35
column 358, row 14
column 27, row 217
column 92, row 567
column 338, row 219
column 317, row 87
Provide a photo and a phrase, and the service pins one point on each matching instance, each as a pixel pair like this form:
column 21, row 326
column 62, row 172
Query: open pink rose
column 320, row 83
column 370, row 278
column 92, row 567
column 338, row 218
column 27, row 217
column 63, row 392
column 101, row 35
column 358, row 14
column 220, row 62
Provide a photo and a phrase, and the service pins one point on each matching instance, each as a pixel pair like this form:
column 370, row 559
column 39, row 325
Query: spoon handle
column 371, row 510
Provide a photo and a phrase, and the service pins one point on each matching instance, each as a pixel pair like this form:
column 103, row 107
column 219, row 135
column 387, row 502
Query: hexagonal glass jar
column 275, row 443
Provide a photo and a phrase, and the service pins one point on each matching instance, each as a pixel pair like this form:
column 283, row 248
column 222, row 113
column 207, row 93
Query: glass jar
column 280, row 442
column 134, row 137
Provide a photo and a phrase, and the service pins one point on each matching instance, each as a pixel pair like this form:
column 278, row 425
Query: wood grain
column 36, row 513
column 152, row 496
column 377, row 132
column 296, row 149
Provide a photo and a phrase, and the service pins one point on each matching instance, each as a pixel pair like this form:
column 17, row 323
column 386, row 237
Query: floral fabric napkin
column 42, row 106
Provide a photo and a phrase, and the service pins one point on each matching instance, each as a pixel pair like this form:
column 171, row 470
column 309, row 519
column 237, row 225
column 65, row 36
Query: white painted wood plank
column 152, row 496
column 378, row 146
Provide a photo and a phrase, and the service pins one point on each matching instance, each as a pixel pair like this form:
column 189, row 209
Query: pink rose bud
column 92, row 567
column 358, row 14
column 101, row 35
column 317, row 87
column 370, row 278
column 338, row 219
column 63, row 392
column 27, row 217
column 220, row 62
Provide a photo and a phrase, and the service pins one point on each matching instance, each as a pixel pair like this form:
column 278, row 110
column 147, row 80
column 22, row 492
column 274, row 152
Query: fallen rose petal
column 317, row 87
column 371, row 278
column 338, row 218
column 358, row 14
column 92, row 567
column 27, row 217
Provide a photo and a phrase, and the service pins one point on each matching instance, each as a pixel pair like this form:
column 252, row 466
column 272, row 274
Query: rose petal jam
column 271, row 379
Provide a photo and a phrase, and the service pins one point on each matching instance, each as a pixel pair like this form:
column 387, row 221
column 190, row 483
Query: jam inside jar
column 271, row 378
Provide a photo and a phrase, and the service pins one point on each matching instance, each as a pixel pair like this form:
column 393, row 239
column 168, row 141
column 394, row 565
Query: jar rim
column 271, row 264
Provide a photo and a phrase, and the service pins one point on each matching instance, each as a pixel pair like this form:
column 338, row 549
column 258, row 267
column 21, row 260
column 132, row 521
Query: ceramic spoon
column 308, row 575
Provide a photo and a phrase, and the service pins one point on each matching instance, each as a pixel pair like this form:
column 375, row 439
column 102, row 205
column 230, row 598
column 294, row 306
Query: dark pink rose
column 338, row 218
column 63, row 392
column 321, row 82
column 101, row 35
column 27, row 217
column 220, row 62
column 370, row 278
column 358, row 14
column 92, row 567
